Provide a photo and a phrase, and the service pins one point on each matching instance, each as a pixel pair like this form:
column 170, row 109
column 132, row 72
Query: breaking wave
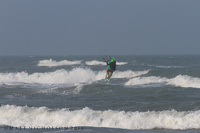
column 62, row 77
column 185, row 81
column 58, row 77
column 25, row 116
column 179, row 81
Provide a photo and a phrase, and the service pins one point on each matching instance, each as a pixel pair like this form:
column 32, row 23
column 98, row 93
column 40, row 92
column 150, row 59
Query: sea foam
column 25, row 116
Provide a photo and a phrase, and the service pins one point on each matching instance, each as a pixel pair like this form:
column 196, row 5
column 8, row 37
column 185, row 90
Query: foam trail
column 78, row 89
column 53, row 63
column 129, row 74
column 184, row 81
column 168, row 67
column 42, row 116
column 121, row 63
column 120, row 74
column 143, row 81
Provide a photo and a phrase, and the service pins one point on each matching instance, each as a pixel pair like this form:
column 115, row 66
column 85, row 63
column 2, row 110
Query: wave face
column 53, row 63
column 179, row 81
column 43, row 116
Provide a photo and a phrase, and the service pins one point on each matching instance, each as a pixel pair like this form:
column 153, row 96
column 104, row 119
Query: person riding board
column 111, row 67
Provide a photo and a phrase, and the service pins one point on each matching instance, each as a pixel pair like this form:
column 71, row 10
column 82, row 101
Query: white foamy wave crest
column 42, row 116
column 185, row 81
column 53, row 63
column 180, row 81
column 95, row 62
column 59, row 77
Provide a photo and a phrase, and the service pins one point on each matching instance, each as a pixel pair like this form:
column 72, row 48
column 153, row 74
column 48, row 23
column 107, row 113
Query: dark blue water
column 145, row 94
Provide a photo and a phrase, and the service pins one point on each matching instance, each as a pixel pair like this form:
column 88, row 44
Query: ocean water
column 146, row 94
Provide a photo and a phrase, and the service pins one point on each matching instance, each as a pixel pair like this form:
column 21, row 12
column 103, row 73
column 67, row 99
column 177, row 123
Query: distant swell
column 95, row 62
column 53, row 63
column 42, row 116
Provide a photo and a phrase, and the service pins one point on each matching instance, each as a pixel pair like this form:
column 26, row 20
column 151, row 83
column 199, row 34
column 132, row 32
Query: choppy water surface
column 145, row 94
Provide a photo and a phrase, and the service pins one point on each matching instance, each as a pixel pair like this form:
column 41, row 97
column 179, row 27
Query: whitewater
column 145, row 94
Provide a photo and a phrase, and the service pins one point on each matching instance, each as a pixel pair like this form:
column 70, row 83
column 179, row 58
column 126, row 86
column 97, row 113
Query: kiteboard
column 110, row 73
column 106, row 78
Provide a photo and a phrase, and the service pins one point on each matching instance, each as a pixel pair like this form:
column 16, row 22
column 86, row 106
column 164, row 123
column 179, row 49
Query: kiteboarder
column 111, row 67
